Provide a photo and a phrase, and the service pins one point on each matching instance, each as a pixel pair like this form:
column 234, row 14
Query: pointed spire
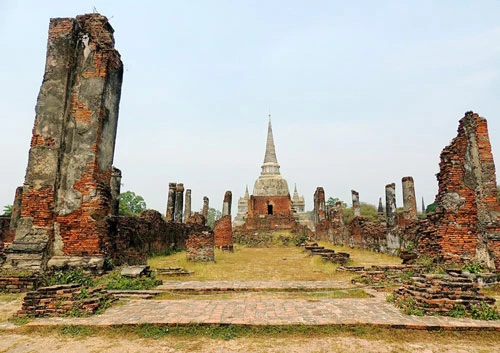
column 270, row 165
column 270, row 156
column 247, row 195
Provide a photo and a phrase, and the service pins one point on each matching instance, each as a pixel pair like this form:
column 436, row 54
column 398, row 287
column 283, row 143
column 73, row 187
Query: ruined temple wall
column 365, row 234
column 223, row 232
column 282, row 205
column 132, row 238
column 66, row 193
column 467, row 199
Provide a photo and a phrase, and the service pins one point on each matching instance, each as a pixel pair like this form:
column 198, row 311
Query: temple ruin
column 270, row 206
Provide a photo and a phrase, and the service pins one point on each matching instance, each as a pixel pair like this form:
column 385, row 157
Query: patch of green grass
column 483, row 311
column 76, row 275
column 458, row 311
column 118, row 282
column 78, row 330
column 20, row 320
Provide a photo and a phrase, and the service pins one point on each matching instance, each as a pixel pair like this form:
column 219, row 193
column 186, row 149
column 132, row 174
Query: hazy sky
column 361, row 93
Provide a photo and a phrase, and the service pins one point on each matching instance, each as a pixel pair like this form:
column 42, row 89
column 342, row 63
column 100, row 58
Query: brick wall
column 14, row 284
column 132, row 239
column 467, row 199
column 200, row 247
column 223, row 233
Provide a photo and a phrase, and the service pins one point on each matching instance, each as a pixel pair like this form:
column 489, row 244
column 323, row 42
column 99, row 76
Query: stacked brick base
column 14, row 284
column 223, row 232
column 439, row 294
column 200, row 247
column 63, row 300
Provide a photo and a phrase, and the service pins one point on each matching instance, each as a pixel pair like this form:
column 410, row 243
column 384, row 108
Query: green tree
column 131, row 204
column 431, row 208
column 212, row 216
column 333, row 200
column 7, row 210
column 367, row 210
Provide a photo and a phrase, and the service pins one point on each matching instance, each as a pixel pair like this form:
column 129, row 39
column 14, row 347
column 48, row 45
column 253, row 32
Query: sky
column 361, row 93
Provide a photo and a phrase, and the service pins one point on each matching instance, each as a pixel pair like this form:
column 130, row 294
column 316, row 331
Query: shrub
column 67, row 277
column 483, row 311
column 119, row 282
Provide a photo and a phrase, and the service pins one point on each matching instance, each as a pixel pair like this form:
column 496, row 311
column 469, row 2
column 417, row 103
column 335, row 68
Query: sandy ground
column 56, row 343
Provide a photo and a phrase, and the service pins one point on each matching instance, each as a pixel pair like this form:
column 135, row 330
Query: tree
column 431, row 208
column 131, row 204
column 7, row 210
column 367, row 210
column 212, row 216
column 333, row 200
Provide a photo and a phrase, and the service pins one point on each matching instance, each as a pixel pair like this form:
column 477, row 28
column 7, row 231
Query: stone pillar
column 179, row 202
column 423, row 206
column 200, row 247
column 390, row 205
column 226, row 205
column 204, row 211
column 187, row 206
column 223, row 229
column 409, row 201
column 116, row 183
column 319, row 205
column 355, row 203
column 66, row 195
column 170, row 202
column 380, row 209
column 16, row 208
column 339, row 213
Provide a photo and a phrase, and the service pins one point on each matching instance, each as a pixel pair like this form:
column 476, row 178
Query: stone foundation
column 439, row 294
column 63, row 300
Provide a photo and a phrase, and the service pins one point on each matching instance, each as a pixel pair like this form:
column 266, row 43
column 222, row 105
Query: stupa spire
column 270, row 165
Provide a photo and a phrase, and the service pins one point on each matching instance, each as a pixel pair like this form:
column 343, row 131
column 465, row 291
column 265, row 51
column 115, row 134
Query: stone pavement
column 260, row 310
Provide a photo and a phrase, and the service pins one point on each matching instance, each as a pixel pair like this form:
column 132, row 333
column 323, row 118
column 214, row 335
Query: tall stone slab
column 116, row 184
column 380, row 209
column 170, row 202
column 16, row 208
column 179, row 202
column 355, row 203
column 66, row 191
column 226, row 205
column 223, row 230
column 409, row 200
column 187, row 205
column 390, row 205
column 204, row 210
column 319, row 205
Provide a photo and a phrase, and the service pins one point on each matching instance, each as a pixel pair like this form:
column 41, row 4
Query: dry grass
column 283, row 263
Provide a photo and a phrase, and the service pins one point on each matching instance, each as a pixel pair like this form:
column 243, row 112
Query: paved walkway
column 251, row 286
column 264, row 311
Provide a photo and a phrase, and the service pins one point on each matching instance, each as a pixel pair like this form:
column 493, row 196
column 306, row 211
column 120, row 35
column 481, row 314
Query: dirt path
column 55, row 343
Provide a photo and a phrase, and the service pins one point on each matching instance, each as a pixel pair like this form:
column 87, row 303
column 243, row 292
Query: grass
column 281, row 263
column 226, row 332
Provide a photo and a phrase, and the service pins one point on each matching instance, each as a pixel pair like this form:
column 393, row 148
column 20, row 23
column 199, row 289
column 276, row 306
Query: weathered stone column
column 16, row 208
column 390, row 204
column 223, row 229
column 66, row 195
column 187, row 205
column 380, row 209
column 339, row 213
column 116, row 183
column 170, row 202
column 409, row 201
column 179, row 202
column 355, row 203
column 319, row 205
column 423, row 206
column 226, row 205
column 204, row 210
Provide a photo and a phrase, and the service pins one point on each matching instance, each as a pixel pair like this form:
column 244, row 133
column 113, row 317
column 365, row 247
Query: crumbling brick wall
column 464, row 227
column 200, row 247
column 365, row 234
column 66, row 193
column 132, row 239
column 223, row 233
